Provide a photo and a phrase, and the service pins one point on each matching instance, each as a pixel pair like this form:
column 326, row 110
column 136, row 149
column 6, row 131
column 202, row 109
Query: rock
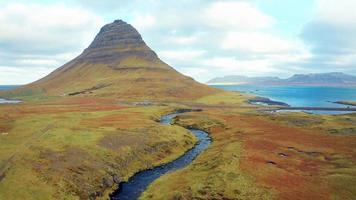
column 143, row 103
column 108, row 182
column 94, row 195
column 271, row 162
column 283, row 154
column 115, row 37
column 116, row 179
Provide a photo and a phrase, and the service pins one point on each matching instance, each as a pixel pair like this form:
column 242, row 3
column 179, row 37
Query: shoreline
column 285, row 106
column 10, row 101
column 318, row 108
column 263, row 100
column 346, row 103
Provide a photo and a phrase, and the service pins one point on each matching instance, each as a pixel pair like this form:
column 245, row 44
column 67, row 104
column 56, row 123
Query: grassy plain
column 265, row 156
column 64, row 150
column 81, row 147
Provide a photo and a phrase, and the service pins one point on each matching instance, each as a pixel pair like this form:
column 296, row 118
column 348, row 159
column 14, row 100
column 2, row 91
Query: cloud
column 232, row 14
column 45, row 29
column 184, row 40
column 22, row 75
column 331, row 36
column 144, row 21
column 182, row 55
column 341, row 13
column 191, row 38
column 256, row 42
column 211, row 38
column 38, row 38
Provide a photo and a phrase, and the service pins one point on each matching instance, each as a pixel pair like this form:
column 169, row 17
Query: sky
column 201, row 38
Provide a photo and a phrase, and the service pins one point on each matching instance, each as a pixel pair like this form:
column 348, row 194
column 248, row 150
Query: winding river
column 132, row 189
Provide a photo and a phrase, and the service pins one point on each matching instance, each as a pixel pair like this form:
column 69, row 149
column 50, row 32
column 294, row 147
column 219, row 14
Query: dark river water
column 132, row 189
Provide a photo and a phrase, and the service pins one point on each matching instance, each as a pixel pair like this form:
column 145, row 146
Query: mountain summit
column 116, row 41
column 118, row 63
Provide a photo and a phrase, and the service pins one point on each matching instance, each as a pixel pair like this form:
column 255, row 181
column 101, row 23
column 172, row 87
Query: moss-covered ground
column 81, row 147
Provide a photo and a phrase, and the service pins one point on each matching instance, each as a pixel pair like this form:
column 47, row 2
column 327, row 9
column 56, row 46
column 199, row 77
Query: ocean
column 8, row 87
column 299, row 96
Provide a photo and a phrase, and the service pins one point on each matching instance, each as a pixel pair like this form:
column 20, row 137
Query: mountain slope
column 317, row 79
column 119, row 64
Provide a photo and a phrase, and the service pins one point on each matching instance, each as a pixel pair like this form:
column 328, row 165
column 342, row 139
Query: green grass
column 66, row 155
column 215, row 174
column 232, row 98
column 60, row 149
column 331, row 124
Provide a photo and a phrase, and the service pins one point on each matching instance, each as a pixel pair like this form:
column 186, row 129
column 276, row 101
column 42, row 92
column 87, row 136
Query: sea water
column 8, row 87
column 300, row 96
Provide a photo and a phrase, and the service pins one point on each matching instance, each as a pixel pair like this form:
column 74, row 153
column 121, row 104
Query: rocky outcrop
column 116, row 41
column 116, row 33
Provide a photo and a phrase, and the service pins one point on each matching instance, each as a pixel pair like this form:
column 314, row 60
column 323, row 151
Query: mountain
column 317, row 79
column 118, row 63
column 334, row 78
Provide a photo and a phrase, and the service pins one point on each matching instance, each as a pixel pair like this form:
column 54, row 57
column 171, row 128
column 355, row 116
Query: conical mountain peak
column 116, row 34
column 118, row 63
column 116, row 41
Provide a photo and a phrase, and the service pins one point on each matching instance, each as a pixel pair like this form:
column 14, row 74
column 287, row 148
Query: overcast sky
column 200, row 38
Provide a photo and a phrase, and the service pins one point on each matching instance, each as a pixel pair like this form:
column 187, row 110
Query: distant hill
column 118, row 64
column 317, row 79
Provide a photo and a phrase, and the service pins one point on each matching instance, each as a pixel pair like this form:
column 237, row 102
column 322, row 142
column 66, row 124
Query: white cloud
column 184, row 40
column 143, row 21
column 211, row 38
column 181, row 55
column 237, row 38
column 341, row 12
column 38, row 28
column 232, row 14
column 199, row 73
column 330, row 34
column 35, row 39
column 233, row 66
column 256, row 42
column 38, row 62
column 12, row 75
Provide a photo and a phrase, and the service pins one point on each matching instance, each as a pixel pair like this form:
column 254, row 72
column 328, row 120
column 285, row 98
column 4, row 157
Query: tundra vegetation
column 82, row 147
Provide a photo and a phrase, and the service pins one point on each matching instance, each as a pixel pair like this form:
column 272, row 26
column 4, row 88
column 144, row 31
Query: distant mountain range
column 317, row 79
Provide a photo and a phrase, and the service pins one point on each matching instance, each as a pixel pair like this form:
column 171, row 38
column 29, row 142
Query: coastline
column 285, row 106
column 318, row 108
column 9, row 101
column 347, row 103
column 266, row 101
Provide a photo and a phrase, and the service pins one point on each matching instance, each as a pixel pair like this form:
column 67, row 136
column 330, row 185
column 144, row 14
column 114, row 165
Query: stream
column 132, row 189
